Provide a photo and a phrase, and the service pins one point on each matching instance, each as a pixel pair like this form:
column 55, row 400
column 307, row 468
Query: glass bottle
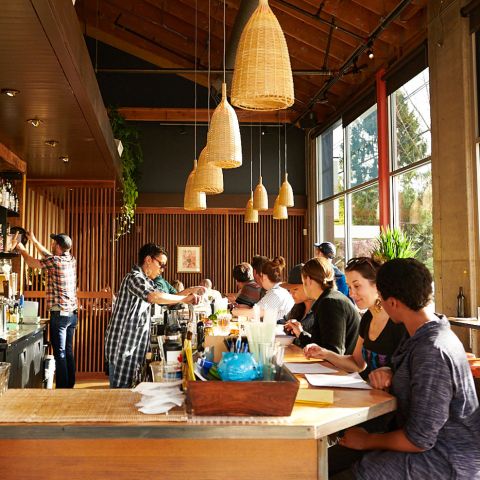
column 460, row 303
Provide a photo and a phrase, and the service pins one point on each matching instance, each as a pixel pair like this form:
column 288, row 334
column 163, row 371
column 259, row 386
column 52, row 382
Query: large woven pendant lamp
column 192, row 200
column 260, row 196
column 224, row 141
column 251, row 215
column 262, row 78
column 286, row 191
column 279, row 210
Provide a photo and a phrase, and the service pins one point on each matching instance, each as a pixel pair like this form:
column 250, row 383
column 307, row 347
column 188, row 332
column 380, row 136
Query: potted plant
column 392, row 243
column 131, row 157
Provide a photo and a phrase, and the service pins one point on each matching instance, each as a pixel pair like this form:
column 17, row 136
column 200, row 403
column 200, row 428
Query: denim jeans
column 62, row 329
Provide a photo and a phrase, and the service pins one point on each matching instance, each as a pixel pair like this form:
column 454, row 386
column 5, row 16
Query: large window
column 348, row 190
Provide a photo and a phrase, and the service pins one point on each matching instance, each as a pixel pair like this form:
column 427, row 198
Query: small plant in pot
column 392, row 243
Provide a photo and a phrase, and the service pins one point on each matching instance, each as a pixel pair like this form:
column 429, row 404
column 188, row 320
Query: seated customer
column 327, row 250
column 336, row 320
column 300, row 317
column 249, row 293
column 178, row 285
column 276, row 297
column 379, row 336
column 438, row 414
column 210, row 293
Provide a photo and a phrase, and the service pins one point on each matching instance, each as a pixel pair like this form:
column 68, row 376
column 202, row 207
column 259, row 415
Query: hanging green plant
column 132, row 157
column 392, row 243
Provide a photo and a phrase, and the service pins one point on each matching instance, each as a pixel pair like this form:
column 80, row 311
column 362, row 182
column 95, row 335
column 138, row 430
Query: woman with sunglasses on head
column 378, row 336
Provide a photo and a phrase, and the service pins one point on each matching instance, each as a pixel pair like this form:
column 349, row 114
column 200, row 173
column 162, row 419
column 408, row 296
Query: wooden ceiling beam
column 9, row 160
column 140, row 114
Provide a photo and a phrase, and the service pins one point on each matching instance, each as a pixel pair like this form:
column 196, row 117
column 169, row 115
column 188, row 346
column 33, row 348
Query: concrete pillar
column 454, row 183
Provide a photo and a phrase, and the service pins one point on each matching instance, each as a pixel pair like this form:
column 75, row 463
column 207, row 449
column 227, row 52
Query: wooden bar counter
column 99, row 434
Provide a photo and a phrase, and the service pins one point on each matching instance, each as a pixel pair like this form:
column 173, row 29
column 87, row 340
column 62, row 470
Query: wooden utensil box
column 267, row 398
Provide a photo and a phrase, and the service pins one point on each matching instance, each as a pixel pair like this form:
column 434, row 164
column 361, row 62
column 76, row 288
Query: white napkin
column 159, row 397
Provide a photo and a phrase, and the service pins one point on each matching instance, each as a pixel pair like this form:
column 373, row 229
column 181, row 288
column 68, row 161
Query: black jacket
column 336, row 323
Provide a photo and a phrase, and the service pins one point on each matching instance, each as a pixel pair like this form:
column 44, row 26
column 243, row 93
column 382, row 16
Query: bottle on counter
column 460, row 303
column 200, row 335
column 21, row 302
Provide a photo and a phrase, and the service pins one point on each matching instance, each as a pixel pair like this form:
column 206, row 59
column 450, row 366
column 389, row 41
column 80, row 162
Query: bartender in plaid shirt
column 128, row 333
column 61, row 270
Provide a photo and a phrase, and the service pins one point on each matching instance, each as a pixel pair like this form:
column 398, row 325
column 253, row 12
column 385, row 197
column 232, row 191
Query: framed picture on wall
column 189, row 258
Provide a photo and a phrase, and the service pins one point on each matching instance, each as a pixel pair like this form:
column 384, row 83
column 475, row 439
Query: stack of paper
column 352, row 380
column 305, row 367
column 159, row 397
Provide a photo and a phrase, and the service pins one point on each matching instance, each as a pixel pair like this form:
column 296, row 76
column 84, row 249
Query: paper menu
column 303, row 368
column 352, row 380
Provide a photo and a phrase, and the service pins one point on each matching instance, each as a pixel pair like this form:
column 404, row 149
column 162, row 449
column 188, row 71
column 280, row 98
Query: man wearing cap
column 61, row 269
column 327, row 250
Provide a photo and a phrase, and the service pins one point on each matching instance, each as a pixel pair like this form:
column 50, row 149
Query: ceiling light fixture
column 64, row 158
column 323, row 99
column 370, row 54
column 52, row 143
column 34, row 122
column 10, row 92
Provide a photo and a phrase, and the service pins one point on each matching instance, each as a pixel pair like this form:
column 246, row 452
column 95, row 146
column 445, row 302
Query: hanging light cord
column 279, row 157
column 285, row 145
column 195, row 81
column 260, row 149
column 208, row 80
column 224, row 41
column 251, row 157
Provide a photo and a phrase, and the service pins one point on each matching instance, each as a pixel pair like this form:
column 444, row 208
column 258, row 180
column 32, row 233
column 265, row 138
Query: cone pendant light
column 286, row 191
column 260, row 197
column 208, row 177
column 251, row 215
column 224, row 141
column 279, row 210
column 262, row 78
column 193, row 201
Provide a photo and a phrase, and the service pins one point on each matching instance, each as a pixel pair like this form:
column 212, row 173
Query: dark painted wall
column 169, row 149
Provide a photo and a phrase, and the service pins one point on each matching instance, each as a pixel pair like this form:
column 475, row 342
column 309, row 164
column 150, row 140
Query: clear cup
column 279, row 354
column 157, row 371
column 266, row 352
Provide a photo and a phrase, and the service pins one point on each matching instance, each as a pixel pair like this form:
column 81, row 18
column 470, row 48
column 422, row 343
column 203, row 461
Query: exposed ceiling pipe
column 395, row 13
column 183, row 71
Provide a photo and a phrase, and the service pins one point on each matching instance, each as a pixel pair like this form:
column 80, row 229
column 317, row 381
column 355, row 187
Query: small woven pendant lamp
column 251, row 215
column 286, row 191
column 279, row 210
column 262, row 78
column 208, row 177
column 260, row 196
column 193, row 201
column 224, row 141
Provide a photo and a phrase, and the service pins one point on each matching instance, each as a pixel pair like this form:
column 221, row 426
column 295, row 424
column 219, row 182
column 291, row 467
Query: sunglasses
column 161, row 265
column 357, row 261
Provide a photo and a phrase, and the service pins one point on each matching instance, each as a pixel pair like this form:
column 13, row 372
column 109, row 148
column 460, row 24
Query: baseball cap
column 327, row 248
column 63, row 240
column 294, row 276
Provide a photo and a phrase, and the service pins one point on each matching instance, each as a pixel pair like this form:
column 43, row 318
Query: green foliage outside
column 392, row 243
column 132, row 157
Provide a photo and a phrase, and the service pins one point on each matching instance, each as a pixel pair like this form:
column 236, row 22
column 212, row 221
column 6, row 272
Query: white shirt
column 277, row 298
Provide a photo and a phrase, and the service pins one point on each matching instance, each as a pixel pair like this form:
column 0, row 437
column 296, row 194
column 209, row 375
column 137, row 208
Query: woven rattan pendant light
column 208, row 178
column 286, row 191
column 260, row 196
column 262, row 78
column 192, row 200
column 224, row 141
column 279, row 210
column 251, row 215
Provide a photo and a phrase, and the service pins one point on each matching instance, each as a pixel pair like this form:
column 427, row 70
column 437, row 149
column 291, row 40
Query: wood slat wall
column 85, row 213
column 225, row 239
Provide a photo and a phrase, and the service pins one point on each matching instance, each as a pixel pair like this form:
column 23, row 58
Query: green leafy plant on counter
column 132, row 157
column 392, row 243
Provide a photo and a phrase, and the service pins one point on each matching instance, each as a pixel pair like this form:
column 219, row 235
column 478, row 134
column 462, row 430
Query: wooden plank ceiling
column 43, row 55
column 325, row 37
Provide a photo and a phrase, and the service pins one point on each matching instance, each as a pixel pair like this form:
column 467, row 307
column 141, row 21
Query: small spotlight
column 10, row 92
column 52, row 143
column 323, row 100
column 64, row 158
column 370, row 53
column 34, row 122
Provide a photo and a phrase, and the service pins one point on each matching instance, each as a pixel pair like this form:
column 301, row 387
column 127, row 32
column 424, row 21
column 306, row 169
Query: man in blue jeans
column 61, row 270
